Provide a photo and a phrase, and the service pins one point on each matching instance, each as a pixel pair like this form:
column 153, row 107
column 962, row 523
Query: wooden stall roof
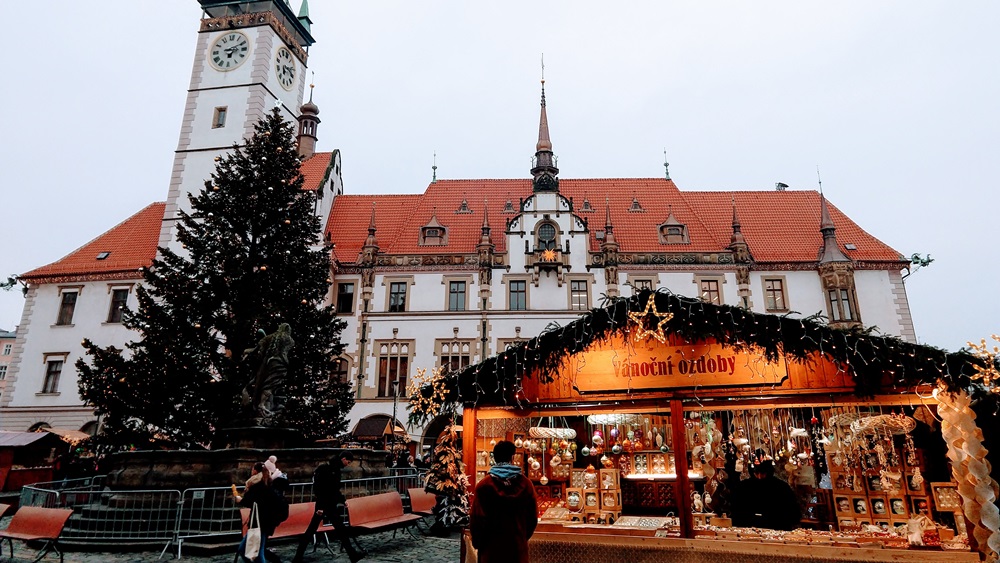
column 818, row 358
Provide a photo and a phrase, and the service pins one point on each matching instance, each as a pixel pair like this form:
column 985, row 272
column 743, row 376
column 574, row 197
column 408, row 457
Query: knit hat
column 272, row 468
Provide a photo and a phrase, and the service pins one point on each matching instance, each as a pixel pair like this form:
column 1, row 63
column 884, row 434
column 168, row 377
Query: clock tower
column 251, row 57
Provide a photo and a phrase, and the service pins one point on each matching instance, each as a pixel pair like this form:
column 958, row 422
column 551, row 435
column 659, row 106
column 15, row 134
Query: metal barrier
column 171, row 516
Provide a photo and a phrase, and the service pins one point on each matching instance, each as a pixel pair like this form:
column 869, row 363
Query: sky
column 894, row 102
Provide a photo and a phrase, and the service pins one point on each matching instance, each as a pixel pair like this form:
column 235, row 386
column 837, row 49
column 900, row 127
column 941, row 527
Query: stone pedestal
column 187, row 469
column 258, row 437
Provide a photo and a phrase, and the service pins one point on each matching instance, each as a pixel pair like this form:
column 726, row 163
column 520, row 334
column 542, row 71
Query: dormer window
column 673, row 231
column 464, row 207
column 509, row 207
column 433, row 233
column 636, row 207
column 586, row 207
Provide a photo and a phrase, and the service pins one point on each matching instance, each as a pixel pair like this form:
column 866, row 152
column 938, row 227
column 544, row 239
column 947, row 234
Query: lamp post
column 395, row 401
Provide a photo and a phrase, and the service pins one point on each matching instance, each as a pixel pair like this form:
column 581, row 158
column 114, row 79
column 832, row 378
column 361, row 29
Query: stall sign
column 618, row 364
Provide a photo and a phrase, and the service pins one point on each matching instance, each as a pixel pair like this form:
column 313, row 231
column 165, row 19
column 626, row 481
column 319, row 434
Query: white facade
column 43, row 345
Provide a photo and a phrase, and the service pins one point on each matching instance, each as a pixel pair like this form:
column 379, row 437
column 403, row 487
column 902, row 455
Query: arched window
column 546, row 237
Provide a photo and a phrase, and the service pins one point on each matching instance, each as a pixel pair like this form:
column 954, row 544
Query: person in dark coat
column 764, row 501
column 326, row 491
column 504, row 510
column 258, row 492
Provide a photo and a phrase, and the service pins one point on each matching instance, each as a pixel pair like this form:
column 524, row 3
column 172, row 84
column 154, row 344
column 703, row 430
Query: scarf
column 505, row 471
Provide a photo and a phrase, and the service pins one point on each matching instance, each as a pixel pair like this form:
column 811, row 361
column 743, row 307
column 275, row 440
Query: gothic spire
column 609, row 229
column 737, row 243
column 485, row 238
column 544, row 171
column 830, row 251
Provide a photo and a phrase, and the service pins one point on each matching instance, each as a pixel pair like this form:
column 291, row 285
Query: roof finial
column 434, row 169
column 666, row 165
column 820, row 180
column 543, row 79
column 311, row 86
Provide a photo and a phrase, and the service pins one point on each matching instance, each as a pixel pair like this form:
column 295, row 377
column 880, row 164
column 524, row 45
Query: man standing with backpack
column 326, row 491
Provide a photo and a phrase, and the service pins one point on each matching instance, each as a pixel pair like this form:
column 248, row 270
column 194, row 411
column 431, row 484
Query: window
column 456, row 296
column 219, row 119
column 393, row 367
column 774, row 294
column 397, row 297
column 341, row 370
column 546, row 236
column 709, row 291
column 641, row 284
column 841, row 305
column 579, row 295
column 66, row 308
column 3, row 371
column 52, row 372
column 345, row 298
column 119, row 297
column 454, row 355
column 6, row 349
column 517, row 295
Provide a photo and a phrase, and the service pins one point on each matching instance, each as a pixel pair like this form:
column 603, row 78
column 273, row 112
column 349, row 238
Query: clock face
column 229, row 50
column 284, row 68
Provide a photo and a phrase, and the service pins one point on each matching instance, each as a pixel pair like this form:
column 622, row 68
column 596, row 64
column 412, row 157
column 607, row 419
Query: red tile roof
column 315, row 169
column 778, row 226
column 131, row 245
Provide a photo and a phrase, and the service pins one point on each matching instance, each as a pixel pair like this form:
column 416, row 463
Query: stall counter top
column 583, row 546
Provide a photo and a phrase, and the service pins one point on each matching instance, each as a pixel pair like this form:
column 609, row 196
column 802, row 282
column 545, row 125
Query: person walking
column 504, row 510
column 326, row 491
column 257, row 494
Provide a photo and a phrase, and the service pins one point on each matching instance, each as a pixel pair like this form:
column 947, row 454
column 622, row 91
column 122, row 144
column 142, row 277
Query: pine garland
column 873, row 361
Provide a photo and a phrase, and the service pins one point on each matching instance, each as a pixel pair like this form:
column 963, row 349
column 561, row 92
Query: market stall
column 640, row 422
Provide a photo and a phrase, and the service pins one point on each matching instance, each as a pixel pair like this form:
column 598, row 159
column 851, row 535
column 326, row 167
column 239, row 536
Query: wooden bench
column 422, row 503
column 378, row 513
column 299, row 516
column 35, row 523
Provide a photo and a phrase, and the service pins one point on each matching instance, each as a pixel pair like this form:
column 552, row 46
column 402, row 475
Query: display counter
column 597, row 544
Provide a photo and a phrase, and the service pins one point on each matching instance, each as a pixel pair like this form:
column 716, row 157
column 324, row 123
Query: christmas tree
column 251, row 259
column 447, row 480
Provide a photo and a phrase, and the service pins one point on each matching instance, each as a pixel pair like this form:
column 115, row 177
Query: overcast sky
column 898, row 103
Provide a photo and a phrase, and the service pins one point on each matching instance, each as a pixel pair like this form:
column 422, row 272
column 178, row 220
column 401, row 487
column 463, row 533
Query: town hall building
column 452, row 274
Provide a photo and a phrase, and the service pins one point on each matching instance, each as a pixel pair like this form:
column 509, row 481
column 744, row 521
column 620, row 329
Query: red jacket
column 504, row 515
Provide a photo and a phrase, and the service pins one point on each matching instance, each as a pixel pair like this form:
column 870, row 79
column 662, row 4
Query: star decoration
column 640, row 320
column 549, row 255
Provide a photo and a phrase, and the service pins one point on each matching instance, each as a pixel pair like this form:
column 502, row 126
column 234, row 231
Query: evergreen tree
column 252, row 259
column 447, row 479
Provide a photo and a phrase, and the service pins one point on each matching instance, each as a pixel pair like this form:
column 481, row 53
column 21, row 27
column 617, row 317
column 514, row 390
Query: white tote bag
column 252, row 548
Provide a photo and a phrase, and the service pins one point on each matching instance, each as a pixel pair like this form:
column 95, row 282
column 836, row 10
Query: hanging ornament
column 615, row 449
column 519, row 443
column 598, row 440
column 544, row 480
column 585, row 451
column 555, row 461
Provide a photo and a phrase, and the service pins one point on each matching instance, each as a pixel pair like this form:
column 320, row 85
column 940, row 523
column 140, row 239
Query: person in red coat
column 504, row 510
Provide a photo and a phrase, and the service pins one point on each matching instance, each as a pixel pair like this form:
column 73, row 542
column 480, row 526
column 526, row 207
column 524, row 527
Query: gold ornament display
column 970, row 469
column 989, row 376
column 430, row 405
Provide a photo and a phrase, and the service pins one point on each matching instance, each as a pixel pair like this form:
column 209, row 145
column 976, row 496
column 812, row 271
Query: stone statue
column 264, row 394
